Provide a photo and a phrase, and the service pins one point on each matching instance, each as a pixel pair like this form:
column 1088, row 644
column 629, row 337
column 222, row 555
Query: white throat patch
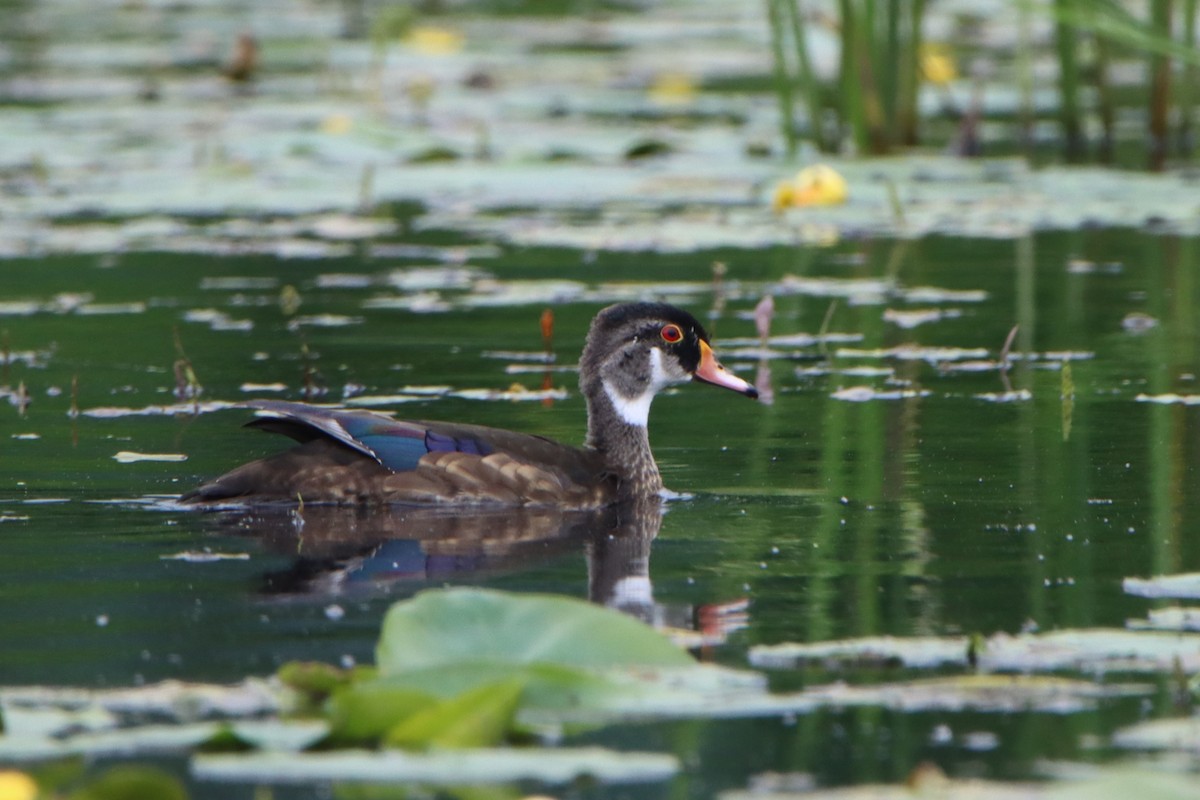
column 636, row 410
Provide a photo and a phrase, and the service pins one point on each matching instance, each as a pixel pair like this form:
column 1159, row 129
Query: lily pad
column 477, row 718
column 1162, row 734
column 1117, row 783
column 364, row 712
column 451, row 627
column 1186, row 585
column 1090, row 650
column 558, row 765
column 1168, row 619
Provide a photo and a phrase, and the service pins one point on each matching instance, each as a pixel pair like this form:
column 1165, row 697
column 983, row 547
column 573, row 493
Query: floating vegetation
column 909, row 352
column 480, row 766
column 376, row 400
column 172, row 409
column 515, row 392
column 1089, row 650
column 217, row 320
column 1016, row 396
column 324, row 321
column 1161, row 781
column 911, row 319
column 1170, row 398
column 864, row 394
column 1181, row 586
column 1167, row 619
column 132, row 457
column 1181, row 735
column 460, row 672
column 204, row 557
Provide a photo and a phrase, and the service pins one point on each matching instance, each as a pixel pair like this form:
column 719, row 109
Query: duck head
column 634, row 350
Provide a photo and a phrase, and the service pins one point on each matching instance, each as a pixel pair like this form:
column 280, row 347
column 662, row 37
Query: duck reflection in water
column 364, row 551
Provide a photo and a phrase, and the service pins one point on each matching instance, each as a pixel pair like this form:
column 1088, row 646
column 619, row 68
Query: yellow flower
column 337, row 124
column 673, row 89
column 434, row 41
column 17, row 786
column 937, row 65
column 818, row 185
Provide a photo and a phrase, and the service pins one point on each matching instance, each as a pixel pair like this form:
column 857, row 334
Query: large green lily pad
column 463, row 626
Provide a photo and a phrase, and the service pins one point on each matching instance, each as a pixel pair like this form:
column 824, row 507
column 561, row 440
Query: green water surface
column 946, row 502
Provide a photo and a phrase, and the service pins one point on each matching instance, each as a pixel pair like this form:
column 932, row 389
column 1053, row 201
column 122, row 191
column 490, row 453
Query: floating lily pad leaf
column 934, row 294
column 1169, row 399
column 558, row 765
column 1185, row 585
column 186, row 409
column 1162, row 734
column 141, row 740
column 922, row 316
column 324, row 321
column 343, row 226
column 911, row 352
column 516, row 393
column 423, row 279
column 170, row 700
column 287, row 735
column 49, row 721
column 863, row 291
column 574, row 659
column 314, row 679
column 520, row 293
column 1143, row 782
column 422, row 303
column 272, row 734
column 201, row 557
column 1092, row 650
column 548, row 686
column 98, row 309
column 464, row 626
column 373, row 400
column 480, row 717
column 20, row 749
column 1168, row 619
column 989, row 693
column 131, row 457
column 1018, row 396
column 945, row 788
column 1118, row 783
column 986, row 693
column 363, row 712
column 862, row 394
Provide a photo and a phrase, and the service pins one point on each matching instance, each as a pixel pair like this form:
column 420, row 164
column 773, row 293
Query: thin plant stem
column 1068, row 81
column 1186, row 88
column 908, row 89
column 783, row 83
column 1160, row 87
column 1024, row 68
column 809, row 85
column 851, row 86
column 1104, row 101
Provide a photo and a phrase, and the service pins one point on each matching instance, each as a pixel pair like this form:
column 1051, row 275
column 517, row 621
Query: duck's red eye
column 671, row 334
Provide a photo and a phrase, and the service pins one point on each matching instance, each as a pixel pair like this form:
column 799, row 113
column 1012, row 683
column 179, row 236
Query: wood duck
column 633, row 350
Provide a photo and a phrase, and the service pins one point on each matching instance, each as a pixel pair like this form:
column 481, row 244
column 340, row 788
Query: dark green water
column 944, row 511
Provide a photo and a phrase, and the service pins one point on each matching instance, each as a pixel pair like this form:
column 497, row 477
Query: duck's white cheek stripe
column 636, row 410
